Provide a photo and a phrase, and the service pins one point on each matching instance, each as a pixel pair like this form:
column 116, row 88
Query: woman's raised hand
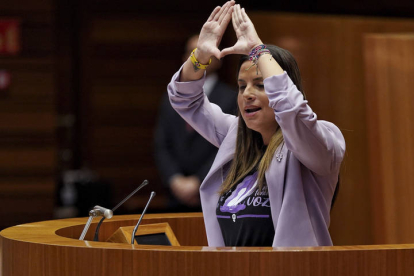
column 247, row 37
column 212, row 32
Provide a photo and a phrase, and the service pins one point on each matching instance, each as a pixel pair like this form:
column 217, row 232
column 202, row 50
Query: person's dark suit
column 179, row 149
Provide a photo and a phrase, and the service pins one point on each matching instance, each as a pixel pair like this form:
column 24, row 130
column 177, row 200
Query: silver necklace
column 279, row 155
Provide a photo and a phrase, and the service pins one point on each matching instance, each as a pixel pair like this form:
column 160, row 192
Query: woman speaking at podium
column 277, row 167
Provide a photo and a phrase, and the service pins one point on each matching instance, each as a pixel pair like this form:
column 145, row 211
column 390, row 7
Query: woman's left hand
column 247, row 37
column 212, row 32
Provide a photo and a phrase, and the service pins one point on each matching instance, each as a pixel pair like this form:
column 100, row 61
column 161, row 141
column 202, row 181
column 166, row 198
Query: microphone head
column 108, row 214
column 101, row 211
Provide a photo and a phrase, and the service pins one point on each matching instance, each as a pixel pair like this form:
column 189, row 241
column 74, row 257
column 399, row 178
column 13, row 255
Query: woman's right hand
column 212, row 33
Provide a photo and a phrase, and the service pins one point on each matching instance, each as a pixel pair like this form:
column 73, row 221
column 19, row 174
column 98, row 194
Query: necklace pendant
column 279, row 157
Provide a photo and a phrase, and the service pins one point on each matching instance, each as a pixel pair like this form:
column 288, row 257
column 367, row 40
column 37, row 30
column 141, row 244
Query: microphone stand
column 140, row 218
column 98, row 227
column 96, row 211
column 85, row 230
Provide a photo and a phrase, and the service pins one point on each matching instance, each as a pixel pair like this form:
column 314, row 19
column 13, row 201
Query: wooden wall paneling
column 28, row 117
column 130, row 60
column 38, row 35
column 329, row 50
column 389, row 71
column 27, row 7
column 70, row 95
column 22, row 158
column 366, row 7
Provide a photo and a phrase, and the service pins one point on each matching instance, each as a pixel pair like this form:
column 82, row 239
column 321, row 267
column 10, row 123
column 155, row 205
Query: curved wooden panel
column 48, row 248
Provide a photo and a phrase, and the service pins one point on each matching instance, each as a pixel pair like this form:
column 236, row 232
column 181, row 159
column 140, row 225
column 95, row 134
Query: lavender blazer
column 300, row 200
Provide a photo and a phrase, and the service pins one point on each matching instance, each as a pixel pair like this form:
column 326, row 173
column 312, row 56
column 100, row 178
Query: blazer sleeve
column 189, row 100
column 317, row 144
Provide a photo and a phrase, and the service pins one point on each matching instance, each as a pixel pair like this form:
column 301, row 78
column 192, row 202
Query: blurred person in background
column 182, row 156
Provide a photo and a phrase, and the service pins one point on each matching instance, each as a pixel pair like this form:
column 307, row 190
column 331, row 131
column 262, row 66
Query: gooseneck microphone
column 98, row 227
column 143, row 184
column 105, row 213
column 98, row 211
column 140, row 218
column 95, row 212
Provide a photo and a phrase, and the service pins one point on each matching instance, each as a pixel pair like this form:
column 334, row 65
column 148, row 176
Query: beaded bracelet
column 196, row 63
column 255, row 54
column 255, row 50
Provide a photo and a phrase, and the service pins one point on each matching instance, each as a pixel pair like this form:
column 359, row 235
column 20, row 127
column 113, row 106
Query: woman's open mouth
column 250, row 111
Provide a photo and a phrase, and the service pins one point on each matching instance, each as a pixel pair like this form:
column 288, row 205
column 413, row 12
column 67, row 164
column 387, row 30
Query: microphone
column 98, row 211
column 95, row 212
column 142, row 215
column 98, row 227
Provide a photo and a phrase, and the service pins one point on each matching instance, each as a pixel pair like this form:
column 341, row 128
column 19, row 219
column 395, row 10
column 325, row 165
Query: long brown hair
column 250, row 151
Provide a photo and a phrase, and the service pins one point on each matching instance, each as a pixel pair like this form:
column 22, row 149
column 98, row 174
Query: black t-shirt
column 244, row 214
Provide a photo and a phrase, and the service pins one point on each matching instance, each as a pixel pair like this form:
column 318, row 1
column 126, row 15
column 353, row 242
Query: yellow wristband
column 196, row 63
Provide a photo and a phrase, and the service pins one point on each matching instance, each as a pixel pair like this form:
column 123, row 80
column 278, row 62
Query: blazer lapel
column 275, row 178
column 211, row 185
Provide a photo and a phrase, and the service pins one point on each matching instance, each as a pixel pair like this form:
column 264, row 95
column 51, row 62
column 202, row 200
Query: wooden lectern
column 52, row 248
column 156, row 230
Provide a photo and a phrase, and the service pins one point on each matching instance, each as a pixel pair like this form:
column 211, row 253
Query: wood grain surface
column 124, row 234
column 389, row 71
column 52, row 248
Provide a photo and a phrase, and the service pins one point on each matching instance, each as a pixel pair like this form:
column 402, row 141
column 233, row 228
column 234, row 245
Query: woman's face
column 253, row 102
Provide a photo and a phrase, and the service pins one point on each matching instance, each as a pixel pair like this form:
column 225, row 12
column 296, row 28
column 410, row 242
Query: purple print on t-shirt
column 244, row 189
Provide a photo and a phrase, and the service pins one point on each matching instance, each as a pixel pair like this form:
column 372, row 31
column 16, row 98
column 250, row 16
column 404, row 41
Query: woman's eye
column 261, row 86
column 242, row 87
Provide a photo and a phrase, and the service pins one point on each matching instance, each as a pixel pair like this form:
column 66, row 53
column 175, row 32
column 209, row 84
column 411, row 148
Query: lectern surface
column 52, row 248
